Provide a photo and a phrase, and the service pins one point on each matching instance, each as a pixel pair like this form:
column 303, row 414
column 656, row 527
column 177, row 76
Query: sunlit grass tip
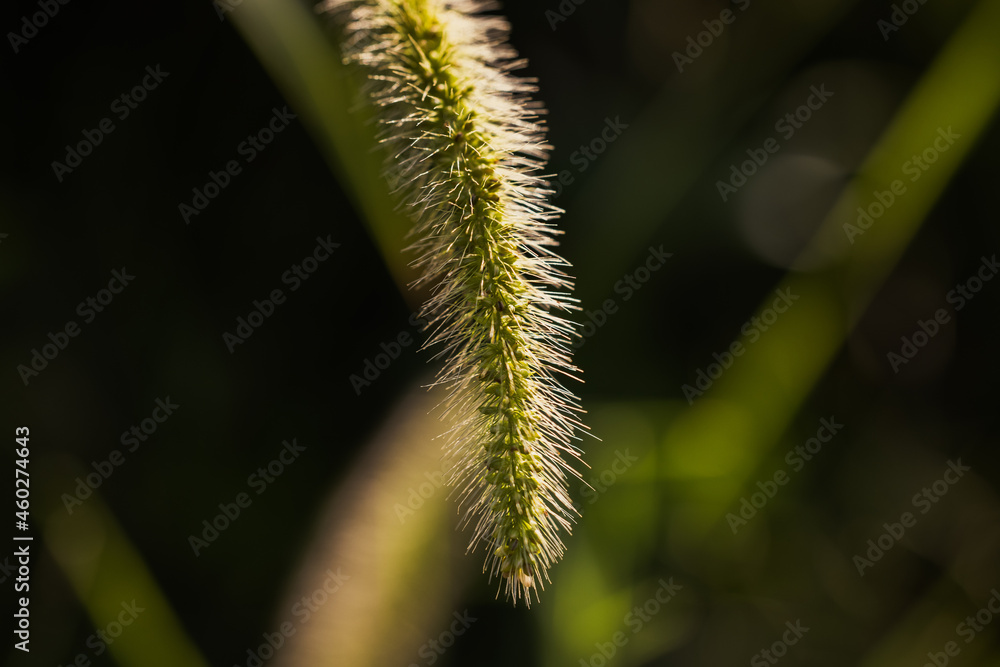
column 465, row 150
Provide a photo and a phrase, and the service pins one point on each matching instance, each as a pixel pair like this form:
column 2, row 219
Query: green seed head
column 464, row 149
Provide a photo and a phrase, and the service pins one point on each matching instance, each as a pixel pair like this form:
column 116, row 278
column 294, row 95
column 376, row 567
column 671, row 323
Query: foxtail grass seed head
column 464, row 152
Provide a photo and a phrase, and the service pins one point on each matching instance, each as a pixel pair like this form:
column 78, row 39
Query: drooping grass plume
column 465, row 150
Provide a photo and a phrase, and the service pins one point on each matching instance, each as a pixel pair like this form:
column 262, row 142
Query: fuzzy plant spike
column 465, row 149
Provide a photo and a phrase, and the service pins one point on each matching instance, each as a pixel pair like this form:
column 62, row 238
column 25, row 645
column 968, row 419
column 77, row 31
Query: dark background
column 162, row 337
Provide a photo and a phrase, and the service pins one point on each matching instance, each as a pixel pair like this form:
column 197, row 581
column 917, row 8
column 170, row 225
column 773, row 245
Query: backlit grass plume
column 464, row 152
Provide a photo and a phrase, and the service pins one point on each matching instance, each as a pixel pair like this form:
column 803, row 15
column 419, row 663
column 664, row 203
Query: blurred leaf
column 303, row 63
column 746, row 410
column 108, row 575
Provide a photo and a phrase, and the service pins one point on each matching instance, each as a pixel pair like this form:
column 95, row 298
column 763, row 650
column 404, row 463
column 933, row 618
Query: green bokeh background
column 668, row 476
